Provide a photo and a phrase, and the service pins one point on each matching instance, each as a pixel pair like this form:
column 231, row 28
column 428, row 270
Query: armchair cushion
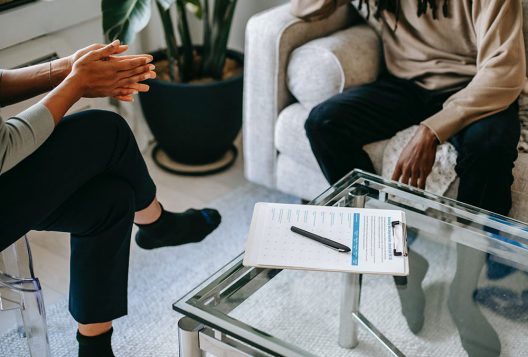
column 326, row 66
column 290, row 136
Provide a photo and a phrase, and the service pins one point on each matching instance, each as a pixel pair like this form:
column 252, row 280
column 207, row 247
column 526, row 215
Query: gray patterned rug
column 306, row 314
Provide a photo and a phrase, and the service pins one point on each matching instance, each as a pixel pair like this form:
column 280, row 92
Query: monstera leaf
column 123, row 19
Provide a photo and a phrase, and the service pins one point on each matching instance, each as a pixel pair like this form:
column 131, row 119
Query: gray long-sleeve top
column 22, row 134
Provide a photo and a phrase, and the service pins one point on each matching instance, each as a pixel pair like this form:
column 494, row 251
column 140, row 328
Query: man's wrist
column 430, row 134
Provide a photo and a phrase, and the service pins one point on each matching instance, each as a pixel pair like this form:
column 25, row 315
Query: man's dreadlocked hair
column 393, row 6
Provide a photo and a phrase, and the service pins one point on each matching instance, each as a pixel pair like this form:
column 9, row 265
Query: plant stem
column 170, row 38
column 206, row 46
column 222, row 19
column 186, row 60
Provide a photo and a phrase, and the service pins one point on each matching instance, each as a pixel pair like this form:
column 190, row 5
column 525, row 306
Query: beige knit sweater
column 478, row 48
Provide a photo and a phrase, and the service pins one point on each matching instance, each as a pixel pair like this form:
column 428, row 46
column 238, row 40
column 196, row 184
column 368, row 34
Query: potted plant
column 194, row 107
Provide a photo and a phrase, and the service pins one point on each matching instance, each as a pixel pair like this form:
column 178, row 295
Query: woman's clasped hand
column 98, row 71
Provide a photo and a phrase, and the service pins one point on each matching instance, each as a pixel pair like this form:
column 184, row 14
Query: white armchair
column 279, row 92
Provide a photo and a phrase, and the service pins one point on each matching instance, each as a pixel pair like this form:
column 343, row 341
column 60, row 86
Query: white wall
column 39, row 18
column 49, row 16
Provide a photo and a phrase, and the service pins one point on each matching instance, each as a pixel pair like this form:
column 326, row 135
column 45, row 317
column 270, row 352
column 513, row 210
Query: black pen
column 327, row 242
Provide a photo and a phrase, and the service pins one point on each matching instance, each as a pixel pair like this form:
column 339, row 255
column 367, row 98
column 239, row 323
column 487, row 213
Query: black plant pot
column 195, row 123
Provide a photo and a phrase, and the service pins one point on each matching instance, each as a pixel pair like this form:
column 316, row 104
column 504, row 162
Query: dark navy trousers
column 88, row 179
column 339, row 128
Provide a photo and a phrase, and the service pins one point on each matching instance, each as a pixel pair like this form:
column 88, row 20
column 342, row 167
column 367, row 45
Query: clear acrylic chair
column 20, row 290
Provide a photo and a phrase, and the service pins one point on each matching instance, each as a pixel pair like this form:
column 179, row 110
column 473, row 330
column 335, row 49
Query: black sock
column 173, row 229
column 96, row 346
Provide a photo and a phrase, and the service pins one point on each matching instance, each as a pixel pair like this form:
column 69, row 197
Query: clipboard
column 377, row 239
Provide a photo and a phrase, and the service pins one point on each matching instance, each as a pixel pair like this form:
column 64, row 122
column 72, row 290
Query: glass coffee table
column 466, row 294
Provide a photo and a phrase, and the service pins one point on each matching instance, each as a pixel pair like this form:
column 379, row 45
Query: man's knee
column 321, row 118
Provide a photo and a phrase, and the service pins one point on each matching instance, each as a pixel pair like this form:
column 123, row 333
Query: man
column 456, row 69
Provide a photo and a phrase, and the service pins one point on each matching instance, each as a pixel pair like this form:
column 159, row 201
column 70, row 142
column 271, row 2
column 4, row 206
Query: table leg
column 351, row 289
column 349, row 305
column 188, row 330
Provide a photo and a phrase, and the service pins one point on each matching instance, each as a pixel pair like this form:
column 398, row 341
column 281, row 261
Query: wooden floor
column 51, row 250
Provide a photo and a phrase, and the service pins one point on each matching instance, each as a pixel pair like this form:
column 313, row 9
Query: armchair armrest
column 270, row 38
column 326, row 66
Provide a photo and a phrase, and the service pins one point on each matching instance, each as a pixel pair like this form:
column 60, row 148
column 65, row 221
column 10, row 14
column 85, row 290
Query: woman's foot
column 172, row 229
column 99, row 345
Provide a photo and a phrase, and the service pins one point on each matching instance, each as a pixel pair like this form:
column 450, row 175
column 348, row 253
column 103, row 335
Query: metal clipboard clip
column 400, row 241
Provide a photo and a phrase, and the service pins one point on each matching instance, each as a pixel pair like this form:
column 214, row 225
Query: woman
column 84, row 174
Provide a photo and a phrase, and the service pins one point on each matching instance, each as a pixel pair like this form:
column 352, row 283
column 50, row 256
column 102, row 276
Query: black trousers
column 339, row 127
column 87, row 179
